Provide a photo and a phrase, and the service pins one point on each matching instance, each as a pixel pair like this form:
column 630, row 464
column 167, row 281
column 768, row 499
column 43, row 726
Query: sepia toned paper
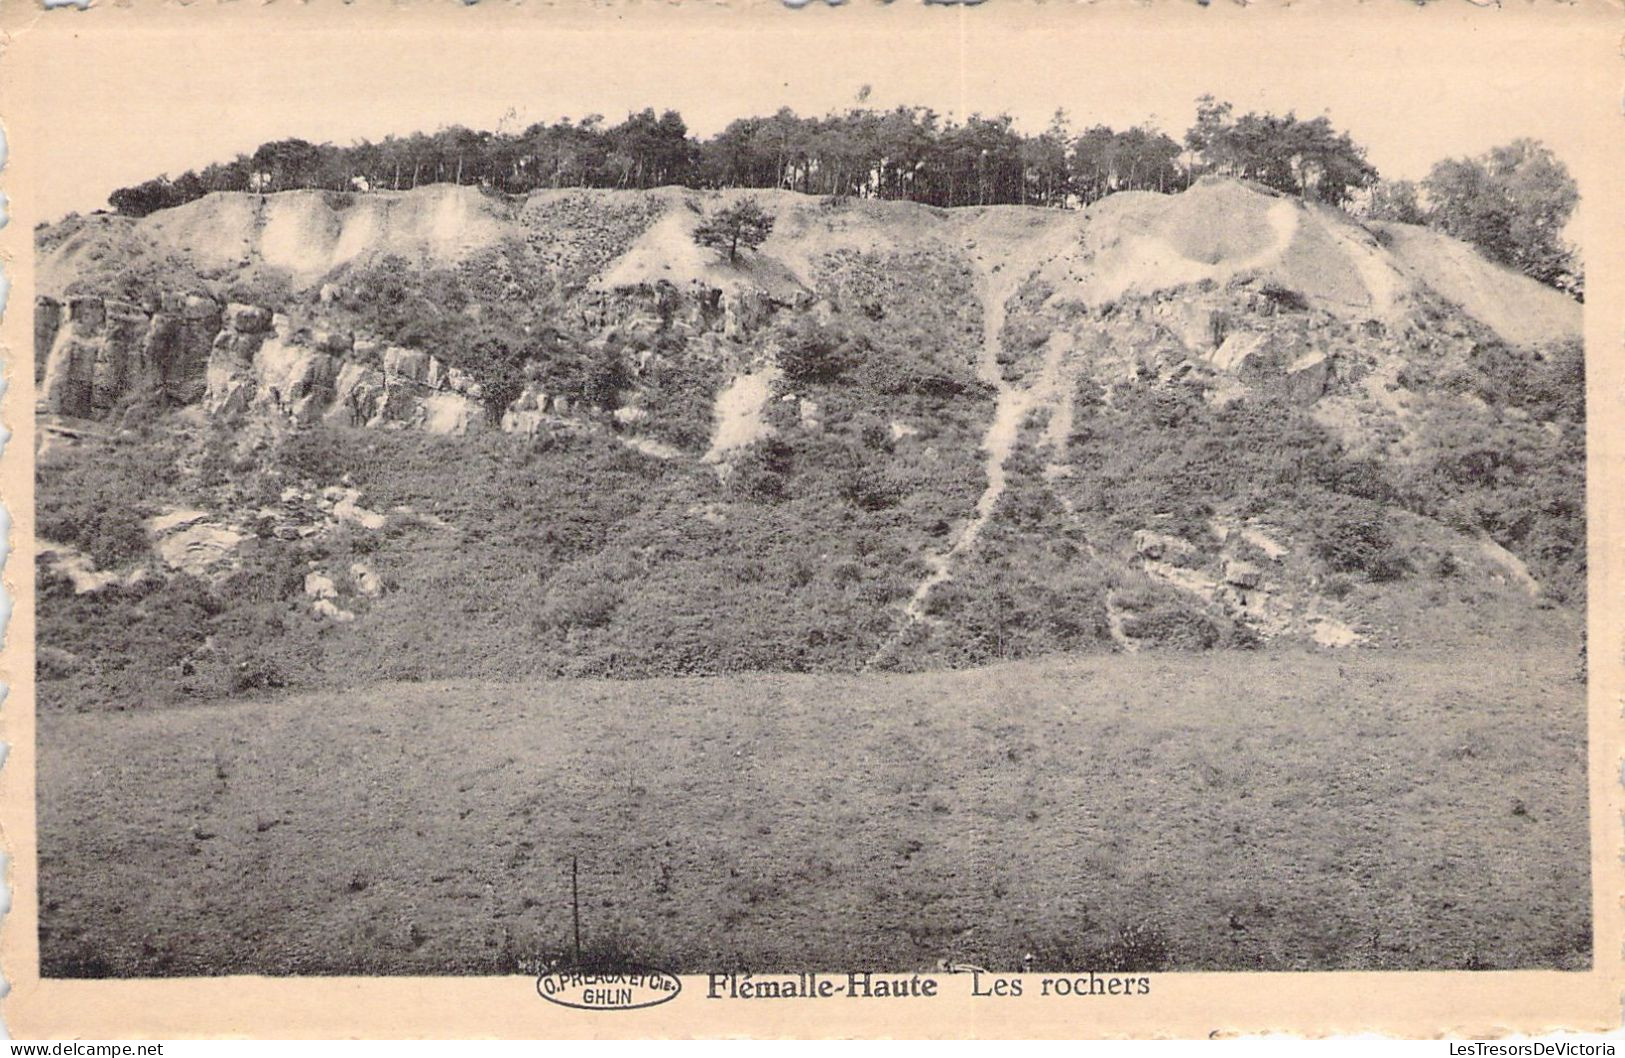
column 112, row 96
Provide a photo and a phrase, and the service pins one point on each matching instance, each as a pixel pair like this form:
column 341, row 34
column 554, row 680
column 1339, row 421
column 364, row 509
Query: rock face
column 527, row 414
column 1237, row 291
column 47, row 321
column 92, row 353
column 83, row 349
column 259, row 363
column 1054, row 325
column 1242, row 574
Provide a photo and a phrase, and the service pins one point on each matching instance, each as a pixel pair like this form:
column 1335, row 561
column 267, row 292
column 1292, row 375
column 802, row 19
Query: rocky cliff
column 1224, row 278
column 892, row 436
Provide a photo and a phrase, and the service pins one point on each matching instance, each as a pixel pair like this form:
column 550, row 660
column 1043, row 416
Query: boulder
column 460, row 381
column 523, row 423
column 248, row 319
column 452, row 414
column 327, row 608
column 199, row 547
column 406, row 365
column 1197, row 327
column 630, row 415
column 745, row 311
column 319, row 585
column 240, row 348
column 294, row 379
column 200, row 308
column 348, row 510
column 358, row 393
column 172, row 520
column 76, row 567
column 332, row 342
column 434, row 376
column 1162, row 546
column 1330, row 632
column 398, row 403
column 528, row 413
column 1307, row 377
column 1242, row 574
column 531, row 398
column 1242, row 351
column 366, row 580
column 229, row 379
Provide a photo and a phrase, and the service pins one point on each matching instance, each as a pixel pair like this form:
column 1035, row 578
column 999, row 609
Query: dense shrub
column 98, row 504
column 679, row 395
column 570, row 606
column 1546, row 384
column 817, row 353
column 1162, row 455
column 111, row 535
column 603, row 377
column 1521, row 483
column 1170, row 624
column 1350, row 535
column 761, row 471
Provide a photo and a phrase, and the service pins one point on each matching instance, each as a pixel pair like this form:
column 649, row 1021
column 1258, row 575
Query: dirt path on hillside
column 997, row 283
column 1000, row 440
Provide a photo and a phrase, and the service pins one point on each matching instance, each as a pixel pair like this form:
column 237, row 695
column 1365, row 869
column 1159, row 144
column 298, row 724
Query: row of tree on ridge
column 1512, row 202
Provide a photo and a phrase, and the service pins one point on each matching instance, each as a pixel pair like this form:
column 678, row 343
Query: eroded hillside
column 311, row 438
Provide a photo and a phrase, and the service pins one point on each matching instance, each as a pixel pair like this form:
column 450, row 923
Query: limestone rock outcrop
column 91, row 353
column 260, row 362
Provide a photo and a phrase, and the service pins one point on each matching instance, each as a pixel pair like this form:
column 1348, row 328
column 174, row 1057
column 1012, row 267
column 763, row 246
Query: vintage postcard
column 885, row 520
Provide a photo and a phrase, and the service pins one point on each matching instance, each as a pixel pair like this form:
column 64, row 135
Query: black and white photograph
column 730, row 506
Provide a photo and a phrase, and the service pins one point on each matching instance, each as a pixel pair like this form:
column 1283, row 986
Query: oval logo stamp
column 631, row 988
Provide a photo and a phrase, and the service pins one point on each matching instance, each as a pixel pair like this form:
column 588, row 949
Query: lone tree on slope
column 745, row 224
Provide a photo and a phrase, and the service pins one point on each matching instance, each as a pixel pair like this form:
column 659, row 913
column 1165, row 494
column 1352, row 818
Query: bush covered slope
column 312, row 439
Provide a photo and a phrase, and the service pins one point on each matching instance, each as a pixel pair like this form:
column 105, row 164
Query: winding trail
column 998, row 281
column 1000, row 440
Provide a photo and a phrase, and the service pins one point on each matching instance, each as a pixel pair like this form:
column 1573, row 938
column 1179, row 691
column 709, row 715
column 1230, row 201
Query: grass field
column 1268, row 811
